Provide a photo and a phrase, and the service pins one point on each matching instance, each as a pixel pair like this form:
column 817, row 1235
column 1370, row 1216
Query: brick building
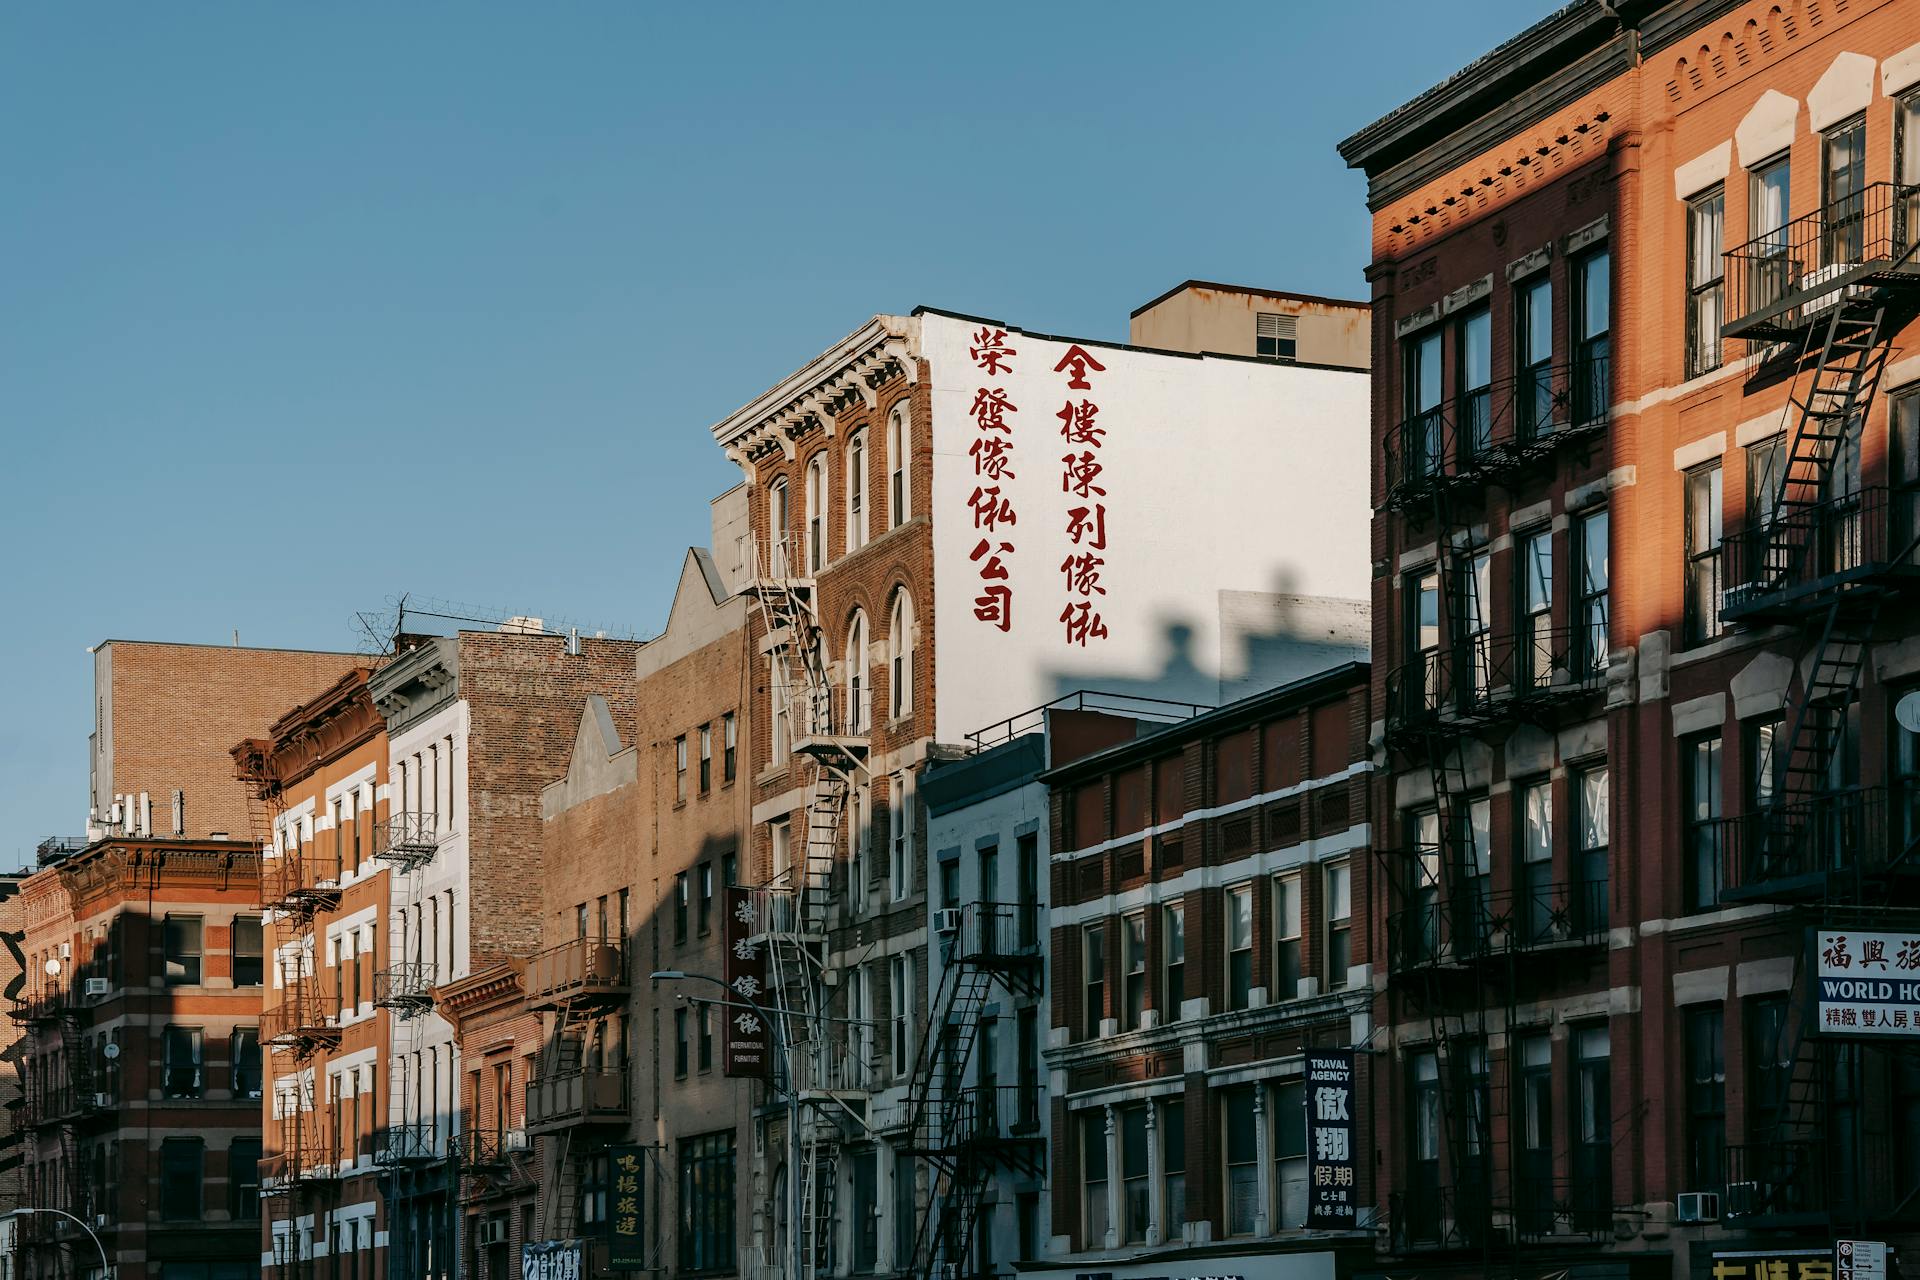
column 142, row 1070
column 907, row 526
column 1207, row 927
column 1644, row 445
column 477, row 724
column 13, row 1043
column 321, row 817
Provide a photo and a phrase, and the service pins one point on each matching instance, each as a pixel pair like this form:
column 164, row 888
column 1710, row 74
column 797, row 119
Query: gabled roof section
column 851, row 369
column 703, row 611
column 598, row 763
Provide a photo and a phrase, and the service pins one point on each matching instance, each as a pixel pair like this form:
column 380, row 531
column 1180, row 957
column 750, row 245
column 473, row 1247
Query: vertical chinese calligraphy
column 745, row 971
column 626, row 1223
column 992, row 452
column 1080, row 481
column 1332, row 1198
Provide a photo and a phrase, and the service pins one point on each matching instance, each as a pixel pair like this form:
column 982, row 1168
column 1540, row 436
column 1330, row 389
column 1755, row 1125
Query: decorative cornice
column 849, row 372
column 498, row 985
column 418, row 681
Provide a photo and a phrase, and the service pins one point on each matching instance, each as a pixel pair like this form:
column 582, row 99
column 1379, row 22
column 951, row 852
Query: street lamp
column 106, row 1268
column 795, row 1205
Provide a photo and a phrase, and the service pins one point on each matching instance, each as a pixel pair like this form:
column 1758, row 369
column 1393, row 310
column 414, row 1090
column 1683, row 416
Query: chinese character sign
column 745, row 971
column 626, row 1221
column 550, row 1260
column 1333, row 1199
column 1773, row 1264
column 1867, row 984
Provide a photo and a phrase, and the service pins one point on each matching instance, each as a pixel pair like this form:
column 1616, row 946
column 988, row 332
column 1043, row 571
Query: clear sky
column 303, row 307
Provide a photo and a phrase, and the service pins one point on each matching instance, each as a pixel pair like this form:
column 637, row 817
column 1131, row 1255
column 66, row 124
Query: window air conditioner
column 103, row 1100
column 1698, row 1206
column 946, row 921
column 515, row 1140
column 97, row 988
column 99, row 1221
column 493, row 1231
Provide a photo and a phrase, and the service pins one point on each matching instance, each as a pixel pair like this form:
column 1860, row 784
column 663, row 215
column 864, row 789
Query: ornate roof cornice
column 495, row 986
column 847, row 373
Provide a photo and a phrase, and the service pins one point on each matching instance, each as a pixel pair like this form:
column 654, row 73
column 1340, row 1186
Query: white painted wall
column 1222, row 475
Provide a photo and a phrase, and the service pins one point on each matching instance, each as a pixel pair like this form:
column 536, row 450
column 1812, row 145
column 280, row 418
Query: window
column 1706, row 1098
column 900, row 834
column 859, row 709
column 899, row 466
column 950, row 882
column 706, row 758
column 856, row 491
column 1133, row 936
column 243, row 1179
column 682, row 895
column 1136, row 1190
column 1533, row 351
column 249, row 964
column 1592, row 323
column 1843, row 178
column 1239, row 946
column 680, row 1045
column 1903, row 440
column 1173, row 947
column 1700, row 775
column 1093, row 971
column 1769, row 1067
column 1274, row 335
column 1421, row 436
column 1422, row 596
column 182, row 1173
column 1339, row 924
column 780, row 840
column 730, row 742
column 1593, row 1133
column 859, row 846
column 680, row 769
column 706, row 1036
column 1541, row 920
column 1769, row 209
column 706, row 1203
column 1473, row 338
column 900, row 643
column 183, row 951
column 900, row 1024
column 706, row 899
column 1590, row 826
column 1093, row 1177
column 1703, row 553
column 866, row 1210
column 180, row 1066
column 1471, row 608
column 816, row 495
column 1173, row 1165
column 243, row 1052
column 1286, row 933
column 1241, row 1144
column 1766, row 461
column 1590, row 610
column 1290, row 1151
column 1706, row 290
column 779, row 519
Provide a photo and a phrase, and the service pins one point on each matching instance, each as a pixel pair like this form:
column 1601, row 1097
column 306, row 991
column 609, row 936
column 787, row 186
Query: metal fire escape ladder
column 946, row 1046
column 800, row 914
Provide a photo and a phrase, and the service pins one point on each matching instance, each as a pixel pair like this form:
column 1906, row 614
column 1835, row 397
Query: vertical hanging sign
column 745, row 970
column 1331, row 1198
column 626, row 1224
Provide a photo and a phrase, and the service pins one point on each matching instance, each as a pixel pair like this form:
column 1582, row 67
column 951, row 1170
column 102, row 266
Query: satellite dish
column 53, row 968
column 1907, row 711
column 109, row 1051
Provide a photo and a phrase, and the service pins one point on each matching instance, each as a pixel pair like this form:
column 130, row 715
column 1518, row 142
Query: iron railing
column 993, row 1114
column 1777, row 1179
column 1482, row 925
column 401, row 1144
column 1487, row 676
column 1843, row 832
column 577, row 971
column 578, row 1096
column 981, row 932
column 410, row 839
column 1484, row 432
column 1781, row 279
column 1122, row 705
column 1540, row 1211
column 406, row 987
column 1809, row 553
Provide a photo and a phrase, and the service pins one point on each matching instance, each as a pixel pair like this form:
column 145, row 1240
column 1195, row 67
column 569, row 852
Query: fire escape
column 966, row 1132
column 1828, row 293
column 1467, row 938
column 577, row 1098
column 63, row 1094
column 829, row 1076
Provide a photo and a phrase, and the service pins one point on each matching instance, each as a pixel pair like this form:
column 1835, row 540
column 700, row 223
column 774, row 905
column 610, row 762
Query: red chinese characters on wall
column 1081, row 473
column 992, row 453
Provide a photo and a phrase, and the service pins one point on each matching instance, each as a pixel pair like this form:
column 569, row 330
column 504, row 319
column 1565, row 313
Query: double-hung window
column 1592, row 335
column 857, row 491
column 1703, row 552
column 900, row 1009
column 1173, row 950
column 1706, row 1097
column 183, row 951
column 1242, row 1148
column 1339, row 907
column 1422, row 436
column 1533, row 356
column 1093, row 1178
column 680, row 769
column 1421, row 600
column 900, row 835
column 1590, row 609
column 1706, row 289
column 1093, row 974
column 1133, row 932
column 180, row 1062
column 1535, row 649
column 1239, row 946
column 1843, row 180
column 1136, row 1186
column 1474, row 334
column 706, row 758
column 1290, row 1151
column 1173, row 1168
column 1287, row 970
column 1705, row 833
column 1542, row 912
column 1591, row 823
column 1769, row 262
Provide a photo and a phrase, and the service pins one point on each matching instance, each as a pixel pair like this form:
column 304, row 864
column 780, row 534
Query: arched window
column 857, row 491
column 859, row 685
column 817, row 513
column 899, row 467
column 777, row 516
column 900, row 655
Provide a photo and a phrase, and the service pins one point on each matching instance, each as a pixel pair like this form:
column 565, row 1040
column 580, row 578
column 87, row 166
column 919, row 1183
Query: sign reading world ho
column 1866, row 983
column 1332, row 1197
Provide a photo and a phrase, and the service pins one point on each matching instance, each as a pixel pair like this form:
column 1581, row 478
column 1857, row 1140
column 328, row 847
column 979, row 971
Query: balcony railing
column 1775, row 1182
column 1486, row 677
column 406, row 988
column 841, row 1067
column 410, row 839
column 1541, row 1211
column 44, row 1005
column 1488, row 431
column 404, row 1144
column 302, row 1021
column 989, row 932
column 1801, row 559
column 1779, row 281
column 580, row 972
column 993, row 1114
column 1797, row 848
column 301, row 881
column 1476, row 926
column 582, row 1096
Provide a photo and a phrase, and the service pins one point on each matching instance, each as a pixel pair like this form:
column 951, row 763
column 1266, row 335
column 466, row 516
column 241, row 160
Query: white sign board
column 1860, row 1260
column 1866, row 984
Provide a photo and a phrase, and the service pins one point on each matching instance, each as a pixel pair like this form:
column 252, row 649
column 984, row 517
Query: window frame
column 1289, row 935
column 1702, row 499
column 1339, row 928
column 1173, row 959
column 1093, row 976
column 899, row 464
column 856, row 487
column 1706, row 296
column 1238, row 899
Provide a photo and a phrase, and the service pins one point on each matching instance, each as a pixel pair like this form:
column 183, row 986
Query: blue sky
column 309, row 306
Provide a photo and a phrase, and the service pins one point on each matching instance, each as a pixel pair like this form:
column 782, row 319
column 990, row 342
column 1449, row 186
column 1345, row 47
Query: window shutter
column 1270, row 324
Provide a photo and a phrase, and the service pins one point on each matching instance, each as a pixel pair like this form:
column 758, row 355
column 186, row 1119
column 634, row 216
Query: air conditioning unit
column 493, row 1231
column 103, row 1100
column 946, row 921
column 1744, row 1198
column 100, row 1221
column 66, row 951
column 516, row 1140
column 98, row 988
column 1698, row 1206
